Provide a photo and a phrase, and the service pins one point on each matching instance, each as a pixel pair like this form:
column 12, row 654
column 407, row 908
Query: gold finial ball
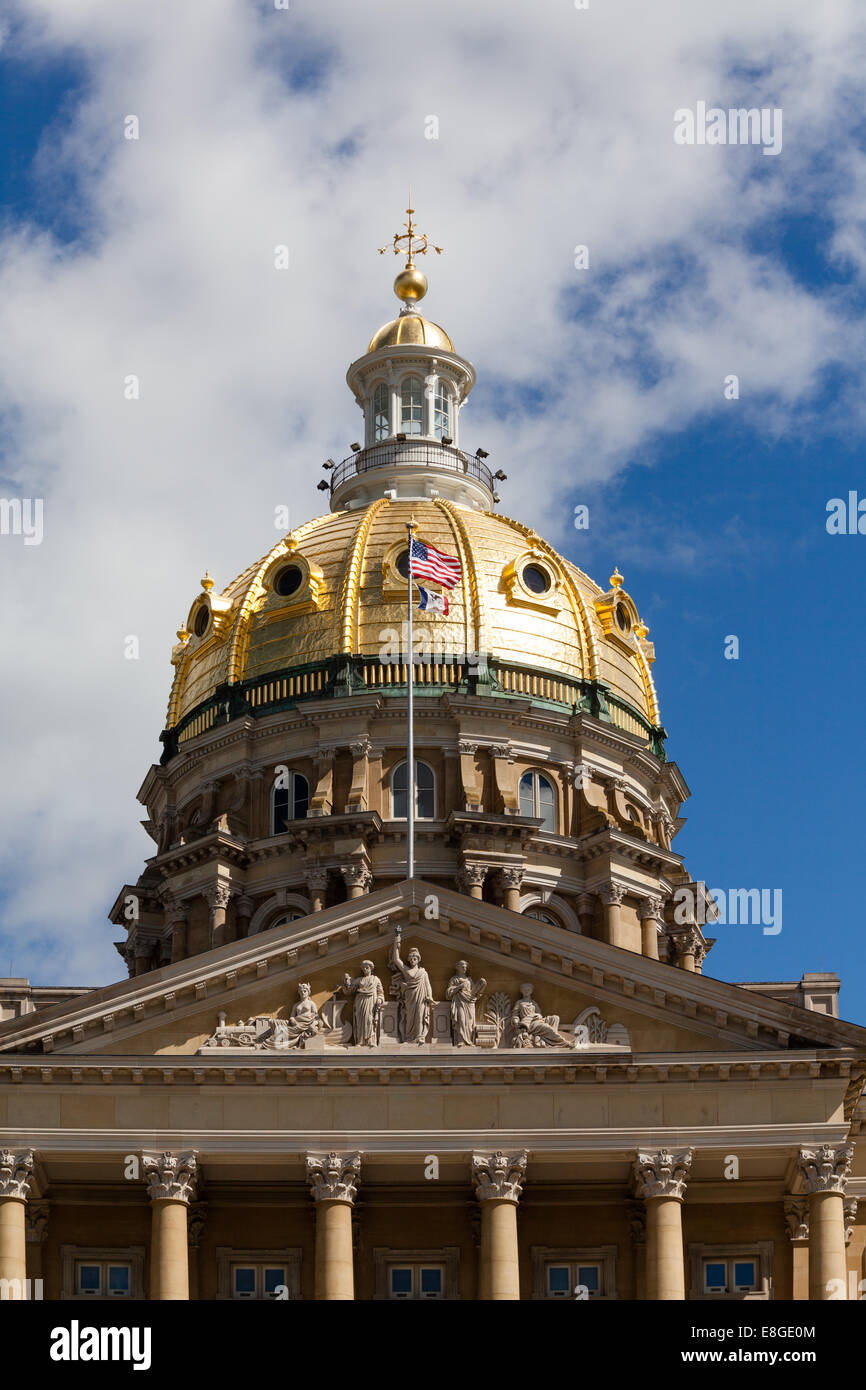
column 206, row 582
column 616, row 579
column 411, row 284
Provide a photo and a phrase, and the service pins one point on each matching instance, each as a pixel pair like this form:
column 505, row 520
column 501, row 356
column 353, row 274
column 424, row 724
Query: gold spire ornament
column 411, row 284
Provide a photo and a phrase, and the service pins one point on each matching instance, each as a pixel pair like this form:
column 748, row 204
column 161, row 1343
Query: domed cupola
column 410, row 385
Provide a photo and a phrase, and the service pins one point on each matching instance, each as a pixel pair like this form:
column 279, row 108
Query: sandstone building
column 506, row 1077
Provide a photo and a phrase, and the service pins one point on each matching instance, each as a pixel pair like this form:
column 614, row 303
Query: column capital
column 361, row 747
column 217, row 895
column 612, row 894
column 662, row 1173
column 498, row 1177
column 316, row 880
column 356, row 875
column 825, row 1169
column 170, row 1177
column 512, row 877
column 689, row 941
column 636, row 1213
column 334, row 1177
column 196, row 1221
column 16, row 1173
column 471, row 875
column 797, row 1218
column 36, row 1222
column 650, row 908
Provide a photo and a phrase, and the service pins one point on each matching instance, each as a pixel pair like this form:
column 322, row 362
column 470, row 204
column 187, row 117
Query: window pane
column 559, row 1279
column 245, row 1280
column 118, row 1278
column 744, row 1273
column 381, row 413
column 527, row 800
column 273, row 1279
column 301, row 796
column 89, row 1278
column 441, row 413
column 401, row 1281
column 281, row 810
column 425, row 801
column 546, row 803
column 588, row 1275
column 714, row 1275
column 431, row 1281
column 411, row 406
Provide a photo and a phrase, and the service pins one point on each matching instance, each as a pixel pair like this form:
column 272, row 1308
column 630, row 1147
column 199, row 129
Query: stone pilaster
column 823, row 1175
column 612, row 895
column 498, row 1181
column 217, row 896
column 317, row 887
column 636, row 1213
column 797, row 1223
column 660, row 1180
column 333, row 1180
column 171, row 1186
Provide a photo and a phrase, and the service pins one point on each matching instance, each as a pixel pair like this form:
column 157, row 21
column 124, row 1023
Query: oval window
column 202, row 618
column 623, row 620
column 536, row 579
column 288, row 581
column 402, row 565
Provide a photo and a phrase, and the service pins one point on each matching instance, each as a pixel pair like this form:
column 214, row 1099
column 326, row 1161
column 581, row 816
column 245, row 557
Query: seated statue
column 303, row 1022
column 529, row 1026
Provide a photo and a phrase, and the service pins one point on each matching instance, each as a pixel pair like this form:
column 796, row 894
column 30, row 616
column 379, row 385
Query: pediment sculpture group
column 414, row 1017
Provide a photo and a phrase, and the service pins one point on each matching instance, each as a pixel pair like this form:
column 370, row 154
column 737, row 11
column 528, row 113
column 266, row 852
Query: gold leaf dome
column 329, row 593
column 409, row 330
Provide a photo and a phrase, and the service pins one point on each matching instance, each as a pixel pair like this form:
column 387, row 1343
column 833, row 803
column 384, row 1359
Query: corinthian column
column 334, row 1180
column 498, row 1180
column 660, row 1179
column 171, row 1185
column 612, row 895
column 16, row 1171
column 650, row 914
column 357, row 878
column 797, row 1221
column 824, row 1173
column 217, row 897
column 512, row 879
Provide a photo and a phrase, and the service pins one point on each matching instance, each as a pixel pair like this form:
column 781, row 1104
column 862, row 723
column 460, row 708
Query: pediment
column 597, row 1002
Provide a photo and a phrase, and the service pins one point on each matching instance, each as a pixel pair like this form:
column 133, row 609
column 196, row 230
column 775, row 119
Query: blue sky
column 603, row 386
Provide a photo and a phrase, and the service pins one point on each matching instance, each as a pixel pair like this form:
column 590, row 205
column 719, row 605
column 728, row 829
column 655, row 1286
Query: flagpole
column 410, row 748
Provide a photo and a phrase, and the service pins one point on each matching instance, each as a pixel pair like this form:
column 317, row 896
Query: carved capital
column 797, row 1217
column 361, row 747
column 636, row 1212
column 663, row 1173
column 317, row 880
column 650, row 909
column 612, row 894
column 511, row 877
column 689, row 942
column 825, row 1169
column 16, row 1171
column 334, row 1177
column 467, row 746
column 471, row 876
column 170, row 1177
column 217, row 895
column 502, row 750
column 498, row 1177
column 356, row 875
column 36, row 1222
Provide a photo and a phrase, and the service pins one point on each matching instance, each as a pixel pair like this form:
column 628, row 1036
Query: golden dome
column 330, row 590
column 409, row 330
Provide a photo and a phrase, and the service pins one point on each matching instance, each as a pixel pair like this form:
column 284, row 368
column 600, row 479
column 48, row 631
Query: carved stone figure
column 531, row 1028
column 414, row 994
column 303, row 1022
column 462, row 993
column 369, row 1001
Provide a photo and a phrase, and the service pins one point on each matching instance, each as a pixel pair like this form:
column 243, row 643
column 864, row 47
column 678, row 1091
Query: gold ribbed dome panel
column 351, row 610
column 410, row 330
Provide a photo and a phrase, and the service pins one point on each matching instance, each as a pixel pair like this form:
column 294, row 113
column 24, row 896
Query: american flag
column 428, row 563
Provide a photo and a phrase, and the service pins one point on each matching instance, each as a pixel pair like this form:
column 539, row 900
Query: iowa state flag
column 432, row 603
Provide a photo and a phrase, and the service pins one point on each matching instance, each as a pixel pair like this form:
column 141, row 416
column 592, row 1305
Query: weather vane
column 417, row 243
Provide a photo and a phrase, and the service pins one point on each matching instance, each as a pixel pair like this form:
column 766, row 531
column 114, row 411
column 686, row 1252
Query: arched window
column 289, row 803
column 381, row 413
column 542, row 916
column 411, row 406
column 537, row 798
column 425, row 792
column 441, row 411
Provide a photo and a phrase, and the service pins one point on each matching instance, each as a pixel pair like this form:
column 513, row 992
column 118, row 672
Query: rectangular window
column 416, row 1281
column 574, row 1280
column 103, row 1278
column 730, row 1276
column 258, row 1281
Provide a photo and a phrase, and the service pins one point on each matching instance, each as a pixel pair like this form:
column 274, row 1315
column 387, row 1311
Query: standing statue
column 369, row 1001
column 414, row 993
column 462, row 993
column 530, row 1027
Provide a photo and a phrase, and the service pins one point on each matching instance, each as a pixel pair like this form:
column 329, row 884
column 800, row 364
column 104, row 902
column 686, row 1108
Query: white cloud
column 555, row 129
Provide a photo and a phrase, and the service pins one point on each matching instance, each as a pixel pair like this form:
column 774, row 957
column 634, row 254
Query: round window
column 202, row 618
column 623, row 620
column 536, row 579
column 288, row 581
column 403, row 564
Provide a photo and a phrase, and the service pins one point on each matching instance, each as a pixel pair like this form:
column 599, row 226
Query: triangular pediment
column 608, row 1004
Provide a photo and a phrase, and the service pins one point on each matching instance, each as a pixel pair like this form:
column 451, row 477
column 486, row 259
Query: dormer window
column 441, row 411
column 411, row 405
column 381, row 413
